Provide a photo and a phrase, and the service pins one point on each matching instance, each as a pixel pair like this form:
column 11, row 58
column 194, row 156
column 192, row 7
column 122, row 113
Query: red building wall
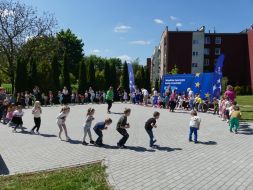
column 250, row 44
column 180, row 51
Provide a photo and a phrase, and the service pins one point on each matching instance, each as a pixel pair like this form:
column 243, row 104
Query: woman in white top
column 17, row 118
column 61, row 118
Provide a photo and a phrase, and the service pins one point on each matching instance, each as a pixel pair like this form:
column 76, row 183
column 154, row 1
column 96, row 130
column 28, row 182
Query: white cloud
column 158, row 21
column 125, row 58
column 122, row 28
column 179, row 24
column 140, row 42
column 173, row 18
column 6, row 12
column 96, row 51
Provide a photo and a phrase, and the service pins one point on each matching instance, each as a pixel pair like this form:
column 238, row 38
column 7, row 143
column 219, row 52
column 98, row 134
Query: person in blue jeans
column 98, row 130
column 150, row 123
column 194, row 126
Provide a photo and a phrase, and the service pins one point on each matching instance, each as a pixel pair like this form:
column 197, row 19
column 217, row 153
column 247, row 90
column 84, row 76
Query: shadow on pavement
column 168, row 149
column 47, row 135
column 245, row 129
column 117, row 113
column 3, row 168
column 74, row 141
column 207, row 143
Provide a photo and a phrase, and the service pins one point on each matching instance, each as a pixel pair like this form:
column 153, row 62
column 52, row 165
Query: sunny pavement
column 222, row 160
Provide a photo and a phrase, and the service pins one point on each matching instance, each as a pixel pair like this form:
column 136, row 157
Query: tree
column 17, row 23
column 82, row 86
column 174, row 71
column 73, row 46
column 66, row 79
column 107, row 75
column 21, row 75
column 113, row 76
column 33, row 76
column 125, row 78
column 91, row 75
column 55, row 73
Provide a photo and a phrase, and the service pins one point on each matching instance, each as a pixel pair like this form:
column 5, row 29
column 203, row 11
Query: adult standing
column 92, row 95
column 109, row 98
column 65, row 94
column 230, row 93
column 145, row 96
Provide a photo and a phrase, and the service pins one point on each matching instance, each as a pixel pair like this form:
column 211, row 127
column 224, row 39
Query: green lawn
column 89, row 177
column 246, row 106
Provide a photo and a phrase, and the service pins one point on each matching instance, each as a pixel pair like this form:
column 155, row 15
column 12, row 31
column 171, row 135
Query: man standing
column 145, row 96
column 109, row 98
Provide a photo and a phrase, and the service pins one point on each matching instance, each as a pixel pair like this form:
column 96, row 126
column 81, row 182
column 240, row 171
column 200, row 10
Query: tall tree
column 21, row 76
column 107, row 74
column 55, row 73
column 73, row 46
column 91, row 75
column 17, row 22
column 66, row 79
column 33, row 76
column 82, row 86
column 125, row 78
column 113, row 76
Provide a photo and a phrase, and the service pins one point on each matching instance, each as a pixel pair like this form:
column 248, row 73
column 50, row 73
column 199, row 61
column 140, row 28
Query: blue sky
column 131, row 29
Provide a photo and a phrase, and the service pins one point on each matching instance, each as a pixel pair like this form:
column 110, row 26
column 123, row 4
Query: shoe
column 231, row 131
column 118, row 145
column 235, row 131
column 68, row 139
column 108, row 112
column 153, row 146
column 154, row 141
column 14, row 131
column 60, row 138
column 92, row 142
column 196, row 142
column 37, row 133
column 190, row 140
column 84, row 143
column 32, row 132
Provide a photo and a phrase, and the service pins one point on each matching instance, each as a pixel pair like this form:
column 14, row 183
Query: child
column 215, row 106
column 61, row 118
column 98, row 130
column 87, row 125
column 234, row 119
column 122, row 125
column 27, row 99
column 36, row 111
column 9, row 114
column 17, row 118
column 125, row 96
column 150, row 123
column 194, row 126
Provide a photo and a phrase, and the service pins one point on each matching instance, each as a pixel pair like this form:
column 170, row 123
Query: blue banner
column 131, row 77
column 218, row 76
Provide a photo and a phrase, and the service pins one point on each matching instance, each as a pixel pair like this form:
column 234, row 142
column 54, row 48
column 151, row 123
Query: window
column 206, row 51
column 195, row 42
column 218, row 40
column 195, row 53
column 194, row 64
column 217, row 51
column 207, row 40
column 207, row 62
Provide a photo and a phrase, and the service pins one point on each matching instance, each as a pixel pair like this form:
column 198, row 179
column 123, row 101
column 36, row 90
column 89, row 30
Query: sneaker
column 32, row 132
column 14, row 131
column 108, row 112
column 92, row 142
column 60, row 138
column 231, row 131
column 235, row 131
column 196, row 142
column 190, row 140
column 38, row 133
column 154, row 146
column 84, row 143
column 68, row 139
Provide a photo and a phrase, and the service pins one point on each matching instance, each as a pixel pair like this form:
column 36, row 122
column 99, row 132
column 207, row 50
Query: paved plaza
column 221, row 160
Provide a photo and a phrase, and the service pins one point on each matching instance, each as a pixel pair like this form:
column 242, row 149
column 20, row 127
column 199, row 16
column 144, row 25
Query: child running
column 87, row 125
column 61, row 118
column 194, row 126
column 234, row 119
column 122, row 125
column 36, row 111
column 98, row 130
column 17, row 118
column 150, row 123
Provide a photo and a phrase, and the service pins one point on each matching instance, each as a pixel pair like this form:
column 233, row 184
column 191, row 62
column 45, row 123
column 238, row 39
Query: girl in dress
column 17, row 118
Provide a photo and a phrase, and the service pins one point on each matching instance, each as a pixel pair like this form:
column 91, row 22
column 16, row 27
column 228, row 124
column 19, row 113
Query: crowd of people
column 11, row 112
